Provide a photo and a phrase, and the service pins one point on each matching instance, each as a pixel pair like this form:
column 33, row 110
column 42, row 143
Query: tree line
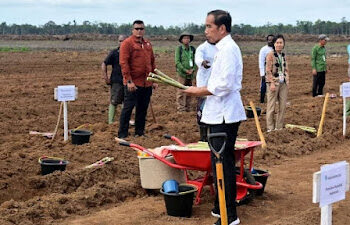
column 51, row 28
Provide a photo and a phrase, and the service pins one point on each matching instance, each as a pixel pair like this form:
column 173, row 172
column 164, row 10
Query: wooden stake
column 151, row 108
column 257, row 123
column 58, row 121
column 319, row 131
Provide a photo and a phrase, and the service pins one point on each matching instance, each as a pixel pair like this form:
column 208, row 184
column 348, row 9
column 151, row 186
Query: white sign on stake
column 66, row 93
column 345, row 89
column 329, row 186
column 333, row 183
column 344, row 92
column 63, row 94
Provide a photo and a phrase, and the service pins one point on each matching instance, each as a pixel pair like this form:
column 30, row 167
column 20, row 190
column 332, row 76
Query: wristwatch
column 129, row 81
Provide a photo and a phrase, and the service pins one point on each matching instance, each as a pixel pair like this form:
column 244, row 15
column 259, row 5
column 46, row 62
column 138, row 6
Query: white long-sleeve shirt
column 225, row 83
column 262, row 58
column 205, row 51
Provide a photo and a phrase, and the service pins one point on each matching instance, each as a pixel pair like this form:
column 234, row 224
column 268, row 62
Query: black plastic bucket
column 260, row 176
column 250, row 113
column 80, row 137
column 180, row 204
column 49, row 165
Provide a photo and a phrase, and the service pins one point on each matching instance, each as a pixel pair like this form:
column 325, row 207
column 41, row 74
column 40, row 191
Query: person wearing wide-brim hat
column 185, row 34
column 319, row 65
column 185, row 68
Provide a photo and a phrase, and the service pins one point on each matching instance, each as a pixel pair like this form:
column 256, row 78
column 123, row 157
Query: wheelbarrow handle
column 124, row 143
column 167, row 136
column 173, row 138
column 217, row 135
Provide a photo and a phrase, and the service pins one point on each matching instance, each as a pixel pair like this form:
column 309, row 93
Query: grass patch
column 14, row 49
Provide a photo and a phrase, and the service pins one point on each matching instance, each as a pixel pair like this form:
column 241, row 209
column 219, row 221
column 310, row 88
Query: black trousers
column 139, row 99
column 262, row 89
column 228, row 161
column 318, row 83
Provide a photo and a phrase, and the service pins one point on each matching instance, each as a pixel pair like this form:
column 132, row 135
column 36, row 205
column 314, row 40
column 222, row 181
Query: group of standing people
column 219, row 81
column 131, row 64
column 274, row 74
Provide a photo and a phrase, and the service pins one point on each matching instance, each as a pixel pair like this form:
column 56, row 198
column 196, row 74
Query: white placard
column 66, row 93
column 345, row 89
column 333, row 183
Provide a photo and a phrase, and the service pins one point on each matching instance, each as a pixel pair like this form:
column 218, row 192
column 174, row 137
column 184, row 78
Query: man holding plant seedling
column 319, row 66
column 137, row 61
column 185, row 67
column 223, row 109
column 115, row 80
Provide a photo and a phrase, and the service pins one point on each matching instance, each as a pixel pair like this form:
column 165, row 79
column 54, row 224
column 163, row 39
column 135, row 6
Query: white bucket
column 154, row 172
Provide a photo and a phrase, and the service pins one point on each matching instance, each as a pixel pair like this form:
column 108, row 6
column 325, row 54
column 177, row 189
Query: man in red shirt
column 136, row 60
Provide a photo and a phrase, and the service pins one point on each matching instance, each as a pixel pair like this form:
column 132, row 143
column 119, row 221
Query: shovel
column 220, row 174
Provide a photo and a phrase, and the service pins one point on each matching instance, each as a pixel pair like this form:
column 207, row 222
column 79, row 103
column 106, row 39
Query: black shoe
column 122, row 136
column 231, row 221
column 141, row 135
column 215, row 212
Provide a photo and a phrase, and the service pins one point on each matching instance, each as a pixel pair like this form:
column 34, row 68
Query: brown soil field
column 112, row 194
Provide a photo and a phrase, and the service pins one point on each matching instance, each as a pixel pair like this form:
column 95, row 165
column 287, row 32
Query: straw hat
column 185, row 34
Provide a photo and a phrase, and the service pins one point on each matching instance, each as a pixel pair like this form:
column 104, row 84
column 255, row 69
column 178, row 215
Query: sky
column 170, row 12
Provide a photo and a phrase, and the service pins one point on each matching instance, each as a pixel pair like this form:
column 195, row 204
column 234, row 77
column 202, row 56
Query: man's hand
column 272, row 87
column 155, row 86
column 131, row 87
column 314, row 72
column 197, row 91
column 189, row 72
column 206, row 64
column 107, row 80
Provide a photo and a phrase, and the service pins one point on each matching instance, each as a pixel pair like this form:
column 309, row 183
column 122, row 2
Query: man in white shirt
column 204, row 59
column 262, row 62
column 223, row 109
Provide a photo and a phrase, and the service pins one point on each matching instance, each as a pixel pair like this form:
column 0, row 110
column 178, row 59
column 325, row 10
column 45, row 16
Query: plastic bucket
column 250, row 113
column 260, row 176
column 170, row 186
column 180, row 204
column 80, row 137
column 49, row 165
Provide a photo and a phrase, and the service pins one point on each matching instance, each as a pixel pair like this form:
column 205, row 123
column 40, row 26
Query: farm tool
column 220, row 174
column 100, row 162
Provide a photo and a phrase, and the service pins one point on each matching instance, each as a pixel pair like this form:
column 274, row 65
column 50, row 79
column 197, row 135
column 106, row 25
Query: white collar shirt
column 225, row 82
column 262, row 58
column 205, row 51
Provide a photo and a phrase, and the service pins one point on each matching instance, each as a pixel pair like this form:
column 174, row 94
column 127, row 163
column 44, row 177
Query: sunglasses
column 139, row 28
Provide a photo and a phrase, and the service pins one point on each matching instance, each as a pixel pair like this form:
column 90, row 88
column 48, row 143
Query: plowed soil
column 112, row 194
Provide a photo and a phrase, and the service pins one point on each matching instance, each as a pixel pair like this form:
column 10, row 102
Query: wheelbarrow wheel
column 248, row 177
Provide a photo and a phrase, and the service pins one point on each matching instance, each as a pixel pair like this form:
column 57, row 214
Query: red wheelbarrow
column 199, row 160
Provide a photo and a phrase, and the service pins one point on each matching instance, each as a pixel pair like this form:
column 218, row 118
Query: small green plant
column 14, row 49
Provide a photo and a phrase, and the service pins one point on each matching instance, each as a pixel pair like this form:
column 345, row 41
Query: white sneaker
column 235, row 222
column 320, row 96
column 215, row 213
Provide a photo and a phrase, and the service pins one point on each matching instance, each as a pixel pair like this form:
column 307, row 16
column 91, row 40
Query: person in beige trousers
column 277, row 79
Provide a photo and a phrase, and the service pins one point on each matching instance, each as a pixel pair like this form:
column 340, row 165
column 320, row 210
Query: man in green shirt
column 319, row 65
column 185, row 68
